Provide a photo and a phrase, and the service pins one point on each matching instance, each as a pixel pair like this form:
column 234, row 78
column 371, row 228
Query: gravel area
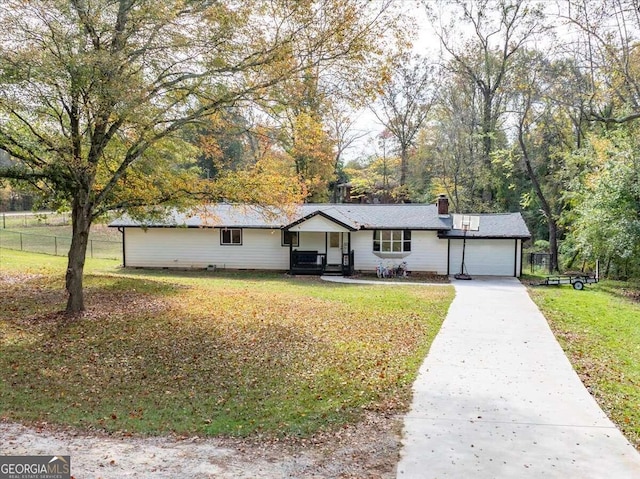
column 367, row 450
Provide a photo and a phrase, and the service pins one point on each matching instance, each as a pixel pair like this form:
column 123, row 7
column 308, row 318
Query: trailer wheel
column 579, row 285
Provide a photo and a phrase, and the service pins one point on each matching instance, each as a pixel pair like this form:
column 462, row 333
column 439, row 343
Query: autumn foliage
column 222, row 353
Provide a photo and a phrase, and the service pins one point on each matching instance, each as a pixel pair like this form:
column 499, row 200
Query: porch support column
column 351, row 270
column 291, row 255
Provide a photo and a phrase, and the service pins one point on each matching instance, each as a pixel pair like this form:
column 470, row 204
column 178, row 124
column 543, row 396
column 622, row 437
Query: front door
column 334, row 248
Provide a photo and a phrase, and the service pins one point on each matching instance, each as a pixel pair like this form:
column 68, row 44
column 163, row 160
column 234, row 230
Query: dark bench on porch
column 307, row 262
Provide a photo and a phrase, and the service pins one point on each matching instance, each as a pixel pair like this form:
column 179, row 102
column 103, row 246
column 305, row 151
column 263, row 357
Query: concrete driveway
column 497, row 398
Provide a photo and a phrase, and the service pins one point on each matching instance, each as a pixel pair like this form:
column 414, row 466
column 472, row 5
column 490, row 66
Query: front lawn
column 599, row 329
column 207, row 353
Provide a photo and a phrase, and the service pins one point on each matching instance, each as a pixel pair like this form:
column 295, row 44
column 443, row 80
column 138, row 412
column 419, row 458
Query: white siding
column 319, row 223
column 312, row 242
column 428, row 252
column 261, row 249
column 200, row 247
column 492, row 257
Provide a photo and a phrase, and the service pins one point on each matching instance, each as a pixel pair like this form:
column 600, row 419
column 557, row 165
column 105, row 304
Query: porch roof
column 330, row 219
column 398, row 216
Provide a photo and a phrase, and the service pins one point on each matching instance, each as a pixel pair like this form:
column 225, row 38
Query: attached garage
column 493, row 244
column 491, row 257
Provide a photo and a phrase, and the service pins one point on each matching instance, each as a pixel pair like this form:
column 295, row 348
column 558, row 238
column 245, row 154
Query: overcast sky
column 426, row 43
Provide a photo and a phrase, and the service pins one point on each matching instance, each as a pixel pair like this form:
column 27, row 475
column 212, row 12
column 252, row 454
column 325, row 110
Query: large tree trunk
column 81, row 223
column 553, row 242
column 487, row 146
column 572, row 260
column 546, row 207
column 487, row 128
column 548, row 213
column 404, row 160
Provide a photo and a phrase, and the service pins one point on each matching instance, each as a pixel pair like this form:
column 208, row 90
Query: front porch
column 315, row 263
column 320, row 244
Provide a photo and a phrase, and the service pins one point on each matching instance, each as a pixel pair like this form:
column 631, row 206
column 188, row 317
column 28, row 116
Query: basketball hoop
column 466, row 223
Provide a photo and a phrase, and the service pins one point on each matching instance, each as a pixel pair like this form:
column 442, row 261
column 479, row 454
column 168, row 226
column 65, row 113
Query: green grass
column 535, row 277
column 99, row 232
column 207, row 353
column 599, row 328
column 22, row 262
column 104, row 242
column 26, row 219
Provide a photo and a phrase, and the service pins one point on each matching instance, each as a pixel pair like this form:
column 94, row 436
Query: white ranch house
column 339, row 238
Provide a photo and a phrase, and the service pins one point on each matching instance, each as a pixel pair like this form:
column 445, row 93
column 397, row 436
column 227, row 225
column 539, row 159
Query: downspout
column 291, row 253
column 521, row 257
column 515, row 259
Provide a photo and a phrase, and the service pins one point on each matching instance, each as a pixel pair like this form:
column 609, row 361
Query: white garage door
column 494, row 257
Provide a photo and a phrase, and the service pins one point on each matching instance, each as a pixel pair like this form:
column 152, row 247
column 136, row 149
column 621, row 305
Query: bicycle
column 401, row 270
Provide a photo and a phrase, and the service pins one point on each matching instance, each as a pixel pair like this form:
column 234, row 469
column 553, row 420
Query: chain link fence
column 57, row 245
column 538, row 263
column 49, row 233
column 28, row 219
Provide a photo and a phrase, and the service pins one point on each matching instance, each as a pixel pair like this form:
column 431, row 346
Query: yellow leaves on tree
column 378, row 180
column 311, row 151
column 258, row 185
column 164, row 175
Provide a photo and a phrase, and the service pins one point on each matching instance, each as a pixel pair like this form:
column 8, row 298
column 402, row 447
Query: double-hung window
column 391, row 241
column 231, row 236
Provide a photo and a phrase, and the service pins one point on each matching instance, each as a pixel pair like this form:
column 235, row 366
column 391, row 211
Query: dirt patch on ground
column 369, row 449
column 13, row 278
column 631, row 294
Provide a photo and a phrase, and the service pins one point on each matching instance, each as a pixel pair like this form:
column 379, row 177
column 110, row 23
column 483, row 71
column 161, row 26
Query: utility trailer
column 577, row 281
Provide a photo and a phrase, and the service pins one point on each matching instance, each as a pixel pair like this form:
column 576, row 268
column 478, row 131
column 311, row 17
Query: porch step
column 333, row 269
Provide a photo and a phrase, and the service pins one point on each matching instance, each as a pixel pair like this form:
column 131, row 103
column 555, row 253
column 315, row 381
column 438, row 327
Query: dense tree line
column 533, row 108
column 132, row 105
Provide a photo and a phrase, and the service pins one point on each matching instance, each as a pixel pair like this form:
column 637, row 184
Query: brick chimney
column 443, row 205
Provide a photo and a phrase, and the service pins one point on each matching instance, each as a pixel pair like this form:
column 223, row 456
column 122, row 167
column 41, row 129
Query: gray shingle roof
column 495, row 225
column 404, row 216
column 355, row 216
column 220, row 215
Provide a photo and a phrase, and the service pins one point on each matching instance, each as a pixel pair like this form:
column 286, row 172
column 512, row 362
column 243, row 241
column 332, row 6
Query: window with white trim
column 231, row 236
column 391, row 241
